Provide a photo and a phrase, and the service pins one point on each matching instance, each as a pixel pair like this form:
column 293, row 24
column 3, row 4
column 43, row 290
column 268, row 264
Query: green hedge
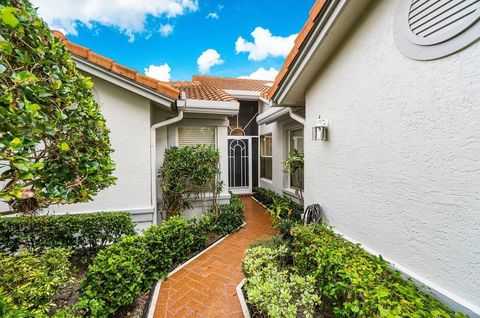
column 122, row 271
column 354, row 283
column 72, row 231
column 266, row 197
column 231, row 216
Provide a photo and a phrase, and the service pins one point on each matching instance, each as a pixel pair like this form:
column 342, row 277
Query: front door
column 240, row 164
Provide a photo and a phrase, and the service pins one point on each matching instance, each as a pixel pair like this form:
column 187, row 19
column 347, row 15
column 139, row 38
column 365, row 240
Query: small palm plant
column 279, row 210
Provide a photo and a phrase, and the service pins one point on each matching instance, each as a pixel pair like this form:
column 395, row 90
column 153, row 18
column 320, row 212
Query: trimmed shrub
column 71, row 231
column 115, row 278
column 274, row 290
column 231, row 216
column 169, row 244
column 354, row 283
column 31, row 281
column 123, row 270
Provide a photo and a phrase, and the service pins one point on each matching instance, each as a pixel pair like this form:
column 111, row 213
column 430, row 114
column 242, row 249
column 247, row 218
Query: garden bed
column 111, row 272
column 317, row 273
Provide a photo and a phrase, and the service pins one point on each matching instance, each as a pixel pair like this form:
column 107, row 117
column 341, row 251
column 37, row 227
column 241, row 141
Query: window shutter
column 191, row 136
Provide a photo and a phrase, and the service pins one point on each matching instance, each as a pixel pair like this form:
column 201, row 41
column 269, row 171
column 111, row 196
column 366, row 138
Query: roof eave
column 121, row 81
column 330, row 28
column 201, row 106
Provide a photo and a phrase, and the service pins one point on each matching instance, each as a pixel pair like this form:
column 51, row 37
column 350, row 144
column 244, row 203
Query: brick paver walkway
column 206, row 286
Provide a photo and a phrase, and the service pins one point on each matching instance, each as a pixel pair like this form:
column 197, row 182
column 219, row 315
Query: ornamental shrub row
column 267, row 198
column 70, row 231
column 122, row 271
column 353, row 283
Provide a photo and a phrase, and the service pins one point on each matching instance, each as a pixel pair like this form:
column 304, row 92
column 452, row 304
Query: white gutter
column 296, row 117
column 153, row 154
column 275, row 113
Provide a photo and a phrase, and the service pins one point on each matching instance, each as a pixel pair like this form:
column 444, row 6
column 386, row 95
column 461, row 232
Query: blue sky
column 144, row 33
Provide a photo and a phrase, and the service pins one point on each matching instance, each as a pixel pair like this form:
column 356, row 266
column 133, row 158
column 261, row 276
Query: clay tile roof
column 299, row 41
column 203, row 91
column 106, row 63
column 261, row 86
column 213, row 88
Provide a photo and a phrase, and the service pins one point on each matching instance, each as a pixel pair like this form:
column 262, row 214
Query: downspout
column 296, row 117
column 181, row 104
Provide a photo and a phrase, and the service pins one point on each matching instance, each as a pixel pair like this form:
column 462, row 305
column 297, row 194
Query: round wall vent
column 431, row 29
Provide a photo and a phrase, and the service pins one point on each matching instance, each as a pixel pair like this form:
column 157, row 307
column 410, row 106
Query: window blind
column 191, row 136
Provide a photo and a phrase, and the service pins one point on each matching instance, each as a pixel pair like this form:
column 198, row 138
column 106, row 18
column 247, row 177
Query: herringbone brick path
column 206, row 286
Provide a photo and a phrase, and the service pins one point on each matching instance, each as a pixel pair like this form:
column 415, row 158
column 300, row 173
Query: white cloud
column 265, row 44
column 208, row 59
column 166, row 29
column 160, row 72
column 213, row 15
column 128, row 16
column 262, row 74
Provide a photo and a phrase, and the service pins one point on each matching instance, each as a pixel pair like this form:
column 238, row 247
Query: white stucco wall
column 401, row 171
column 128, row 117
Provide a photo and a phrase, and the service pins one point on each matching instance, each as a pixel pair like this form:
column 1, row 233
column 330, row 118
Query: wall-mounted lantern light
column 320, row 129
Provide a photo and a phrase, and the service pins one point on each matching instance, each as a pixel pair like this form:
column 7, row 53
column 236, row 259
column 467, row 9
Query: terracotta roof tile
column 106, row 63
column 299, row 41
column 241, row 84
column 213, row 88
column 204, row 91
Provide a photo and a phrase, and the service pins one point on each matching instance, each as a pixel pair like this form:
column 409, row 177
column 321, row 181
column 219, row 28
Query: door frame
column 241, row 190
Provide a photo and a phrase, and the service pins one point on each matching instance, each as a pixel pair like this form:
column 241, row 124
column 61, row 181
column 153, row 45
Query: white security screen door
column 240, row 164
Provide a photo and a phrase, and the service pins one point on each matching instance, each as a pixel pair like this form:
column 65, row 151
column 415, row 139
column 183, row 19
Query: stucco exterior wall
column 401, row 170
column 128, row 118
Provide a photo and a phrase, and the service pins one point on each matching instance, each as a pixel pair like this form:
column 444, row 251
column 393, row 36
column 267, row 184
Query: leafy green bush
column 274, row 290
column 115, row 278
column 267, row 197
column 54, row 144
column 8, row 310
column 31, row 281
column 231, row 216
column 187, row 171
column 123, row 270
column 354, row 283
column 171, row 243
column 72, row 231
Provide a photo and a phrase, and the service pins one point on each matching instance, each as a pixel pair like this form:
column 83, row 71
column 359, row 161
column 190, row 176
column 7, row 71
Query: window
column 191, row 136
column 266, row 157
column 295, row 142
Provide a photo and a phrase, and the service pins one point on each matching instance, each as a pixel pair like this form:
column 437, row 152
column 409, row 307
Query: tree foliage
column 54, row 145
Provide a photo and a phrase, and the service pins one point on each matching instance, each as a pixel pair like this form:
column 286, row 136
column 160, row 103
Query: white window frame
column 288, row 189
column 269, row 136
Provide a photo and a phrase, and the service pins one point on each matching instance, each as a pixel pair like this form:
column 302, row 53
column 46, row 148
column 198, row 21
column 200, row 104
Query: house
column 396, row 85
column 146, row 116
